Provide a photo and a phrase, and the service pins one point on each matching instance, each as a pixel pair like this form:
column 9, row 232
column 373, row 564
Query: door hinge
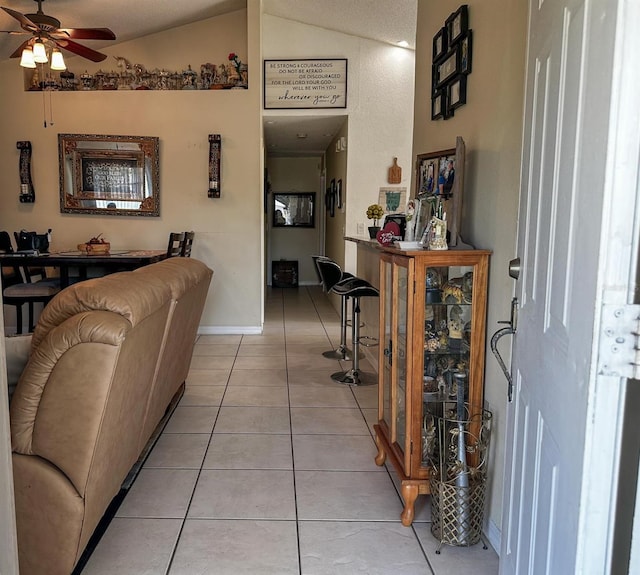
column 619, row 350
column 411, row 447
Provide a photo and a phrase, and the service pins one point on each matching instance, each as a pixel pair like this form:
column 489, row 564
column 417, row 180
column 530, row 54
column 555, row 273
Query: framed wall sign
column 305, row 84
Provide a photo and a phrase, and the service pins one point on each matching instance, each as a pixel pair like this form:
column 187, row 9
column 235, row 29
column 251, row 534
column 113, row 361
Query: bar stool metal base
column 342, row 353
column 354, row 377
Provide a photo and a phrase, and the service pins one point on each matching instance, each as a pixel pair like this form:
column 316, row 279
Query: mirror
column 293, row 210
column 109, row 175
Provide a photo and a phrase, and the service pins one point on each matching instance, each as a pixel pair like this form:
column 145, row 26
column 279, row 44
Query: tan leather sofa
column 107, row 356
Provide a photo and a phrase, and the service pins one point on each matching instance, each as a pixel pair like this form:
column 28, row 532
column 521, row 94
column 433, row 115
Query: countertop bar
column 375, row 245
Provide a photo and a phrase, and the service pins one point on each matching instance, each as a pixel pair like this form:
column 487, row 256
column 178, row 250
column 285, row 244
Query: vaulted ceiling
column 387, row 21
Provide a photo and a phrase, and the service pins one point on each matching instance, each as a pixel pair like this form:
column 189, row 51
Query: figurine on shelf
column 235, row 71
column 86, row 81
column 68, row 80
column 438, row 237
column 207, row 75
column 189, row 79
column 455, row 326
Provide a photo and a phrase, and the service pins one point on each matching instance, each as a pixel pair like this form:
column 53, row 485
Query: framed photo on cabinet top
column 440, row 177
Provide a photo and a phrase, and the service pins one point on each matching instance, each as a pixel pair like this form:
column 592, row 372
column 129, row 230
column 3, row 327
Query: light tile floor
column 267, row 467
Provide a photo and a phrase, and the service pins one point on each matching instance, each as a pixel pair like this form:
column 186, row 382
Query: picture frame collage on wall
column 451, row 64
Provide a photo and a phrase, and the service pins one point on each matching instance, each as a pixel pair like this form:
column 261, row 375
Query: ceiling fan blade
column 87, row 33
column 24, row 21
column 81, row 50
column 20, row 48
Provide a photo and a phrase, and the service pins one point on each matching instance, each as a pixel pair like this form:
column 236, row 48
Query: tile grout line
column 195, row 485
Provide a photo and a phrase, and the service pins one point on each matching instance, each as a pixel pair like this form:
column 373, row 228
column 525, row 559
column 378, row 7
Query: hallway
column 267, row 467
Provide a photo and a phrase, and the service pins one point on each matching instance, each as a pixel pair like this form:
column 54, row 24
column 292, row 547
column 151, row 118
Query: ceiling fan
column 47, row 28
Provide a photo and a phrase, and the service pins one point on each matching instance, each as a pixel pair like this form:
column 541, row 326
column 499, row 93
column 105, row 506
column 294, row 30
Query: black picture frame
column 438, row 104
column 448, row 67
column 440, row 45
column 451, row 63
column 466, row 50
column 294, row 209
column 457, row 24
column 457, row 92
column 339, row 194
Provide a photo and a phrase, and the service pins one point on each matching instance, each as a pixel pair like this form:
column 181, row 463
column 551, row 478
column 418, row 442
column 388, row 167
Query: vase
column 373, row 231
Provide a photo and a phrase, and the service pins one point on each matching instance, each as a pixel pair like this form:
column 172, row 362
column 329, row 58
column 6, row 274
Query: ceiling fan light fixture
column 57, row 61
column 39, row 52
column 27, row 61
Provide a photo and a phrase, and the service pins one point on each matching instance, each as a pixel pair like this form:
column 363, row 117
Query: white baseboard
column 229, row 330
column 494, row 535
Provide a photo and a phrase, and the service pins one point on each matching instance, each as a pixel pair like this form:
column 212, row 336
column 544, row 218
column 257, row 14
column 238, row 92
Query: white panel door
column 564, row 220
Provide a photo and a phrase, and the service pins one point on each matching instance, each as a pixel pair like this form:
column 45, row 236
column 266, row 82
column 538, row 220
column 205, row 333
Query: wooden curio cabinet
column 432, row 326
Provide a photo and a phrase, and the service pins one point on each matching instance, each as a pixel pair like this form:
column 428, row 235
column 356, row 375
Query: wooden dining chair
column 176, row 242
column 19, row 288
column 187, row 244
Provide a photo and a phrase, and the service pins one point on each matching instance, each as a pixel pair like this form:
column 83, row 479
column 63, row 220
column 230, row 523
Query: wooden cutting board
column 395, row 173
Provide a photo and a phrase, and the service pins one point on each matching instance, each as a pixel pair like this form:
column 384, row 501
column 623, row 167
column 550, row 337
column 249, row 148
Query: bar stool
column 331, row 276
column 355, row 289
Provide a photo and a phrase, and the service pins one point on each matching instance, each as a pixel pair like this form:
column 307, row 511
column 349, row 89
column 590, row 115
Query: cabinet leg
column 409, row 495
column 381, row 456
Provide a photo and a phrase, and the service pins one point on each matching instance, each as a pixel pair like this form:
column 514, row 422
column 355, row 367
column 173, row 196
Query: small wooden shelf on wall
column 137, row 77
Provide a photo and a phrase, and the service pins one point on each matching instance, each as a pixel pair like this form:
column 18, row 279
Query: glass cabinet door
column 385, row 327
column 399, row 354
column 447, row 345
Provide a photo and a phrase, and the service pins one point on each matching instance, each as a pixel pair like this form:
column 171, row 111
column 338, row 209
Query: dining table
column 103, row 263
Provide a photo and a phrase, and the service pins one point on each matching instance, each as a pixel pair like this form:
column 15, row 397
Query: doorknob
column 514, row 268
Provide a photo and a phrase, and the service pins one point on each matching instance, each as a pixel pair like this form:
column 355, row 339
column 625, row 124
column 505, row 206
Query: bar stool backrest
column 329, row 271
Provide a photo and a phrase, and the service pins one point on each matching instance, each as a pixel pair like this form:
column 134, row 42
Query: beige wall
column 491, row 125
column 337, row 170
column 182, row 120
column 297, row 174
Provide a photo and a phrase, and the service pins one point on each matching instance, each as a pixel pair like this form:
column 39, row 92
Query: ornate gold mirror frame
column 109, row 175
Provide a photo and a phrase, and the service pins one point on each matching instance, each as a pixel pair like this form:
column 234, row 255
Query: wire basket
column 458, row 476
